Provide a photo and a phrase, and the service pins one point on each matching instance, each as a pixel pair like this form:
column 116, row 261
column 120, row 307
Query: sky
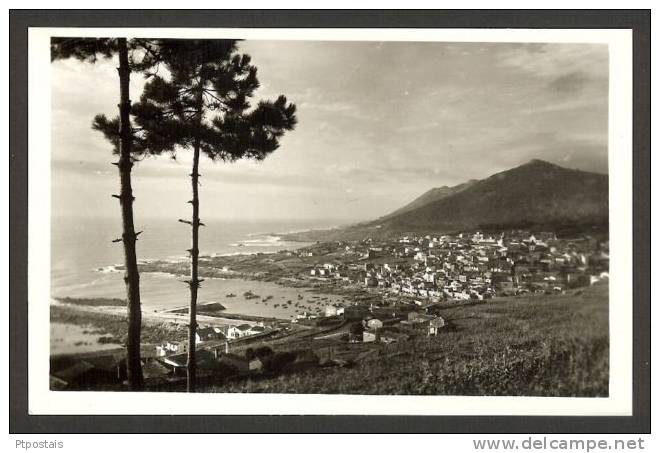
column 379, row 123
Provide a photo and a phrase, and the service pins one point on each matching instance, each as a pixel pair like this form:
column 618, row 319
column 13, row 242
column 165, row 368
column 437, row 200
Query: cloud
column 552, row 60
column 379, row 123
column 569, row 83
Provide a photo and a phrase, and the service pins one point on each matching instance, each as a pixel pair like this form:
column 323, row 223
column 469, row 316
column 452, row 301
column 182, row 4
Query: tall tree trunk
column 194, row 282
column 131, row 275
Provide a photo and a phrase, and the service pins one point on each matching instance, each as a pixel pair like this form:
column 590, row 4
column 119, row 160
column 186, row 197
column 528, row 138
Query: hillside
column 525, row 346
column 536, row 195
column 435, row 194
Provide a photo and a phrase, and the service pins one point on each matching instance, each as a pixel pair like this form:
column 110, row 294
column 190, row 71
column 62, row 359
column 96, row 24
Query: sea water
column 83, row 256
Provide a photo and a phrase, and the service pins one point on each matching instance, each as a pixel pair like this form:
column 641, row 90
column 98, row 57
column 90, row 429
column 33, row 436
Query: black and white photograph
column 329, row 222
column 329, row 217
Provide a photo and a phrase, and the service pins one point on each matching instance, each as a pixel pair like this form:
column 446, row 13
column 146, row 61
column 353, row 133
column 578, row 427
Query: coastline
column 161, row 316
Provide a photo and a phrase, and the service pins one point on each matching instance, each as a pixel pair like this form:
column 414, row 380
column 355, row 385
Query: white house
column 374, row 323
column 208, row 333
column 254, row 330
column 369, row 336
column 171, row 347
column 239, row 331
column 435, row 325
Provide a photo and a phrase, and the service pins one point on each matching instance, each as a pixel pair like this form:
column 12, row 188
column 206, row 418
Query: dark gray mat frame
column 637, row 20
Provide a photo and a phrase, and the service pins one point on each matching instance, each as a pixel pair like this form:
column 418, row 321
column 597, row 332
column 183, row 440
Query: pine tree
column 119, row 132
column 204, row 106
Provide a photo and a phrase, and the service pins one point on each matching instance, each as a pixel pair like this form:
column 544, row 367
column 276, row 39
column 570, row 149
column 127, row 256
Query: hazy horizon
column 380, row 123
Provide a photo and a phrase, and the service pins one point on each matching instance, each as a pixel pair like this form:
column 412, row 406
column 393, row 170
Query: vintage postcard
column 291, row 221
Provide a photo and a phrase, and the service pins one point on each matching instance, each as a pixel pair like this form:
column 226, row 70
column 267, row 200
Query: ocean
column 82, row 256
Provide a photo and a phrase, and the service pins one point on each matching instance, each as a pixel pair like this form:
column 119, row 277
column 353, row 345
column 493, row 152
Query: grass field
column 535, row 346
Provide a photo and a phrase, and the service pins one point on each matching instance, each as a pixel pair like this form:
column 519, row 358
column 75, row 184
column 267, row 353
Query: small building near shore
column 171, row 347
column 374, row 323
column 239, row 331
column 370, row 336
column 435, row 325
column 208, row 334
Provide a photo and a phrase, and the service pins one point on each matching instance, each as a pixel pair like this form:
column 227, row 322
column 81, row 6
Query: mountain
column 536, row 195
column 435, row 194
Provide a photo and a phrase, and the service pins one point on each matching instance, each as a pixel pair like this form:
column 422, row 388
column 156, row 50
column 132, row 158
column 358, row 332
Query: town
column 393, row 291
column 469, row 266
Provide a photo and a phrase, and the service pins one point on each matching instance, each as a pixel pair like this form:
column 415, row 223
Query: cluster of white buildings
column 471, row 266
column 212, row 333
column 481, row 266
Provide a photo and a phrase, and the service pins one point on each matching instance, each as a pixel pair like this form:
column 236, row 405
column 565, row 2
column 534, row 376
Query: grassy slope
column 545, row 346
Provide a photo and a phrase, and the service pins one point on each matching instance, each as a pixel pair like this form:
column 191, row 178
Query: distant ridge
column 432, row 195
column 538, row 195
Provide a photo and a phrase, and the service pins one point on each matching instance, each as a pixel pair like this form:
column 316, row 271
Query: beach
column 86, row 264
